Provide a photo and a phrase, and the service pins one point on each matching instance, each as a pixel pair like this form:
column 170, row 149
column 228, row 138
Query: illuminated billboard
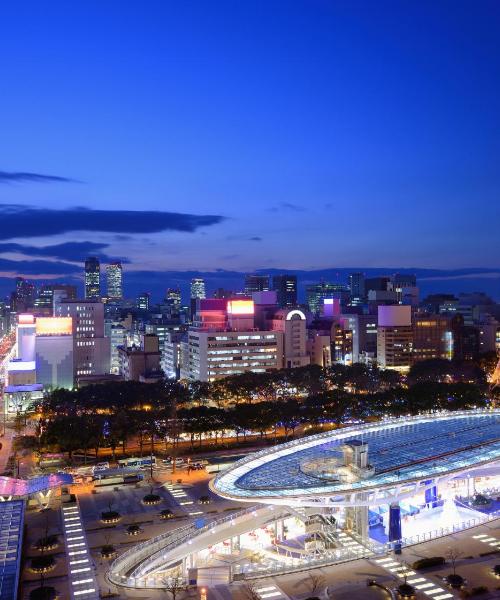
column 25, row 319
column 240, row 307
column 54, row 326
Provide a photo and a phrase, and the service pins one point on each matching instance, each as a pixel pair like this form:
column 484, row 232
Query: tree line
column 279, row 403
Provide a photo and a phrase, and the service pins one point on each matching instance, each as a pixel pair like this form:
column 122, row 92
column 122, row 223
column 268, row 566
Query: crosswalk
column 487, row 539
column 270, row 591
column 420, row 583
column 182, row 499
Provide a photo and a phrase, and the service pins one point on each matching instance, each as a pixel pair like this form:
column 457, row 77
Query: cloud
column 37, row 267
column 76, row 251
column 282, row 206
column 256, row 238
column 22, row 177
column 29, row 221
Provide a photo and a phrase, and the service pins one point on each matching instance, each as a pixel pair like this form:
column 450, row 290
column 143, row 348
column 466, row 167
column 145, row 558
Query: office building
column 285, row 287
column 256, row 283
column 143, row 301
column 114, row 281
column 197, row 292
column 394, row 337
column 92, row 278
column 54, row 352
column 230, row 337
column 44, row 302
column 91, row 349
column 141, row 363
column 433, row 337
column 318, row 292
column 173, row 299
column 357, row 287
column 197, row 288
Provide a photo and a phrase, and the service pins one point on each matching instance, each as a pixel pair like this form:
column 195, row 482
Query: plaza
column 351, row 493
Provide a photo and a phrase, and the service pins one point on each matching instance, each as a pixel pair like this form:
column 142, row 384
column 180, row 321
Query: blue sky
column 291, row 135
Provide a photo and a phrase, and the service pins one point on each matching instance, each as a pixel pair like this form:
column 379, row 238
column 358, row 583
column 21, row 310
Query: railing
column 146, row 553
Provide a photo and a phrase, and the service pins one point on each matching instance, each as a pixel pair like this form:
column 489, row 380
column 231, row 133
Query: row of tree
column 159, row 419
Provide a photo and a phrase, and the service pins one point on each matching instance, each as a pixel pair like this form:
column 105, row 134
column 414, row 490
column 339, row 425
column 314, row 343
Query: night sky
column 242, row 135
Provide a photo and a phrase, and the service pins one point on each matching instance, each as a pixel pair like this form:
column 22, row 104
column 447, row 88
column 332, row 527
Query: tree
column 453, row 555
column 174, row 586
column 315, row 582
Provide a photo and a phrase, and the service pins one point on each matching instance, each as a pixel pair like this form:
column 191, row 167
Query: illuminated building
column 24, row 296
column 54, row 352
column 357, row 288
column 143, row 301
column 197, row 292
column 141, row 363
column 394, row 337
column 256, row 283
column 230, row 337
column 173, row 299
column 362, row 491
column 285, row 287
column 114, row 281
column 317, row 292
column 433, row 337
column 92, row 350
column 50, row 292
column 92, row 278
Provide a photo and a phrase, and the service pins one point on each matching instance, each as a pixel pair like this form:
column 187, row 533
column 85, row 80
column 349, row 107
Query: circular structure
column 382, row 462
column 324, row 499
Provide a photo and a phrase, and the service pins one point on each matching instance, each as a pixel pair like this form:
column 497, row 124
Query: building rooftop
column 400, row 450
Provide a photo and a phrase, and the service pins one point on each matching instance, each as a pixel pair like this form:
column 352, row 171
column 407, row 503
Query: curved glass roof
column 398, row 450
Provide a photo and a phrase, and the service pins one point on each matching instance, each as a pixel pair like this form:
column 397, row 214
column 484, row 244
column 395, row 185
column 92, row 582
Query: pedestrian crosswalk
column 487, row 539
column 270, row 591
column 421, row 584
column 182, row 499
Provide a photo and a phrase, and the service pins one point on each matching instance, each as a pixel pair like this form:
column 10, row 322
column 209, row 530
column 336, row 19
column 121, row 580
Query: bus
column 116, row 476
column 139, row 462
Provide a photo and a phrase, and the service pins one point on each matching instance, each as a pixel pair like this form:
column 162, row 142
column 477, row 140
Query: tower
column 92, row 278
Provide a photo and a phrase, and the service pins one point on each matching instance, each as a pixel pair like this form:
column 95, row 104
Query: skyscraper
column 143, row 301
column 197, row 293
column 173, row 298
column 198, row 288
column 357, row 286
column 285, row 287
column 316, row 293
column 114, row 281
column 92, row 278
column 256, row 283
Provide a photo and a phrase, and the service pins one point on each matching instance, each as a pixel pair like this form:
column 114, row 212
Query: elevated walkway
column 144, row 565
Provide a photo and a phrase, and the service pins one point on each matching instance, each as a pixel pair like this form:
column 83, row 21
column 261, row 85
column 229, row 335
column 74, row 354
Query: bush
column 42, row 564
column 151, row 499
column 431, row 561
column 108, row 551
column 48, row 542
column 475, row 591
column 43, row 593
column 110, row 516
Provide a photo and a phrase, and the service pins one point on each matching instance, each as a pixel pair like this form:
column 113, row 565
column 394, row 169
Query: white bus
column 134, row 461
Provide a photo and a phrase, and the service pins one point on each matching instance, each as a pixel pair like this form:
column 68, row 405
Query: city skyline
column 366, row 146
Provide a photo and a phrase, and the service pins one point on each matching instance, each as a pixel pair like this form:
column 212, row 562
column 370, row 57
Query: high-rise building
column 92, row 278
column 285, row 287
column 173, row 299
column 357, row 287
column 198, row 288
column 143, row 301
column 24, row 296
column 256, row 283
column 318, row 292
column 394, row 337
column 230, row 337
column 114, row 281
column 197, row 292
column 91, row 349
column 45, row 299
